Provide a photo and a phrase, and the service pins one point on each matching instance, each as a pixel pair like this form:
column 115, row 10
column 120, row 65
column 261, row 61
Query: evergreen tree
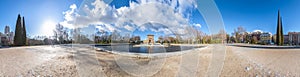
column 24, row 33
column 279, row 36
column 20, row 38
column 18, row 32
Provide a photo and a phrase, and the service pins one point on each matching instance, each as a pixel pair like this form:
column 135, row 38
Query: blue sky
column 251, row 14
column 260, row 14
column 36, row 12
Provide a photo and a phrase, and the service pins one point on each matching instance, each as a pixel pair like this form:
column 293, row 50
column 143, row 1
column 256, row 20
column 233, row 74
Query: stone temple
column 150, row 39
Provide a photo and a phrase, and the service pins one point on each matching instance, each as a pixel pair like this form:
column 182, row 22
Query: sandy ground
column 36, row 61
column 81, row 61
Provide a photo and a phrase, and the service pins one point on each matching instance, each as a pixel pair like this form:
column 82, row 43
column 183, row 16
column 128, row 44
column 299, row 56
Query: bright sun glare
column 47, row 28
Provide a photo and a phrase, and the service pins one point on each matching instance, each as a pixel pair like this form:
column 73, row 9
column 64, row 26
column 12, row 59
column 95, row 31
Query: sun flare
column 48, row 27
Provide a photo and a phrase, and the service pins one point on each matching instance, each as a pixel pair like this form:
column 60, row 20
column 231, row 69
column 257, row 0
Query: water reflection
column 146, row 48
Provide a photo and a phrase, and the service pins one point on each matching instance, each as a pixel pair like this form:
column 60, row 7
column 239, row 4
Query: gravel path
column 276, row 62
column 80, row 61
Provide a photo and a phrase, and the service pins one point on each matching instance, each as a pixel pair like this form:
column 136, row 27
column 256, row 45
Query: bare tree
column 102, row 36
column 60, row 34
column 239, row 34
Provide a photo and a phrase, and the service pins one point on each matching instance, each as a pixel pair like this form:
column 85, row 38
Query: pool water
column 146, row 49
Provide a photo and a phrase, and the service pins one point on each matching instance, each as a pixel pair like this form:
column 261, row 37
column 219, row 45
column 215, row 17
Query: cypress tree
column 20, row 38
column 18, row 32
column 24, row 32
column 279, row 36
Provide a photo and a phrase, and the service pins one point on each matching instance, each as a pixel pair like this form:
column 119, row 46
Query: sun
column 48, row 27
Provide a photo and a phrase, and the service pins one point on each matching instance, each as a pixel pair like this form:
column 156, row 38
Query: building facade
column 294, row 38
column 7, row 37
column 286, row 40
column 266, row 38
column 6, row 30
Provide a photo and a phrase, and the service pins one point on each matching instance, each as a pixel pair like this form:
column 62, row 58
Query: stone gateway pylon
column 20, row 32
column 150, row 39
column 279, row 34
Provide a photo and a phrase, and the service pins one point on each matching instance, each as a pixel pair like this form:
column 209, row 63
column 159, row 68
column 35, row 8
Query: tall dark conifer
column 18, row 32
column 279, row 36
column 24, row 32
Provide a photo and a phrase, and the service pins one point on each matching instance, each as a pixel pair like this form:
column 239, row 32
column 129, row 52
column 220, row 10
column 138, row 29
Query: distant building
column 11, row 38
column 4, row 39
column 137, row 38
column 274, row 38
column 7, row 37
column 266, row 38
column 294, row 38
column 7, row 30
column 286, row 39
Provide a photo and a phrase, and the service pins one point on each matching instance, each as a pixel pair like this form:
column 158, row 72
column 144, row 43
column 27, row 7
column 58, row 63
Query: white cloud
column 197, row 25
column 154, row 13
column 69, row 16
column 185, row 4
column 101, row 14
column 257, row 31
column 106, row 27
column 129, row 28
column 164, row 12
